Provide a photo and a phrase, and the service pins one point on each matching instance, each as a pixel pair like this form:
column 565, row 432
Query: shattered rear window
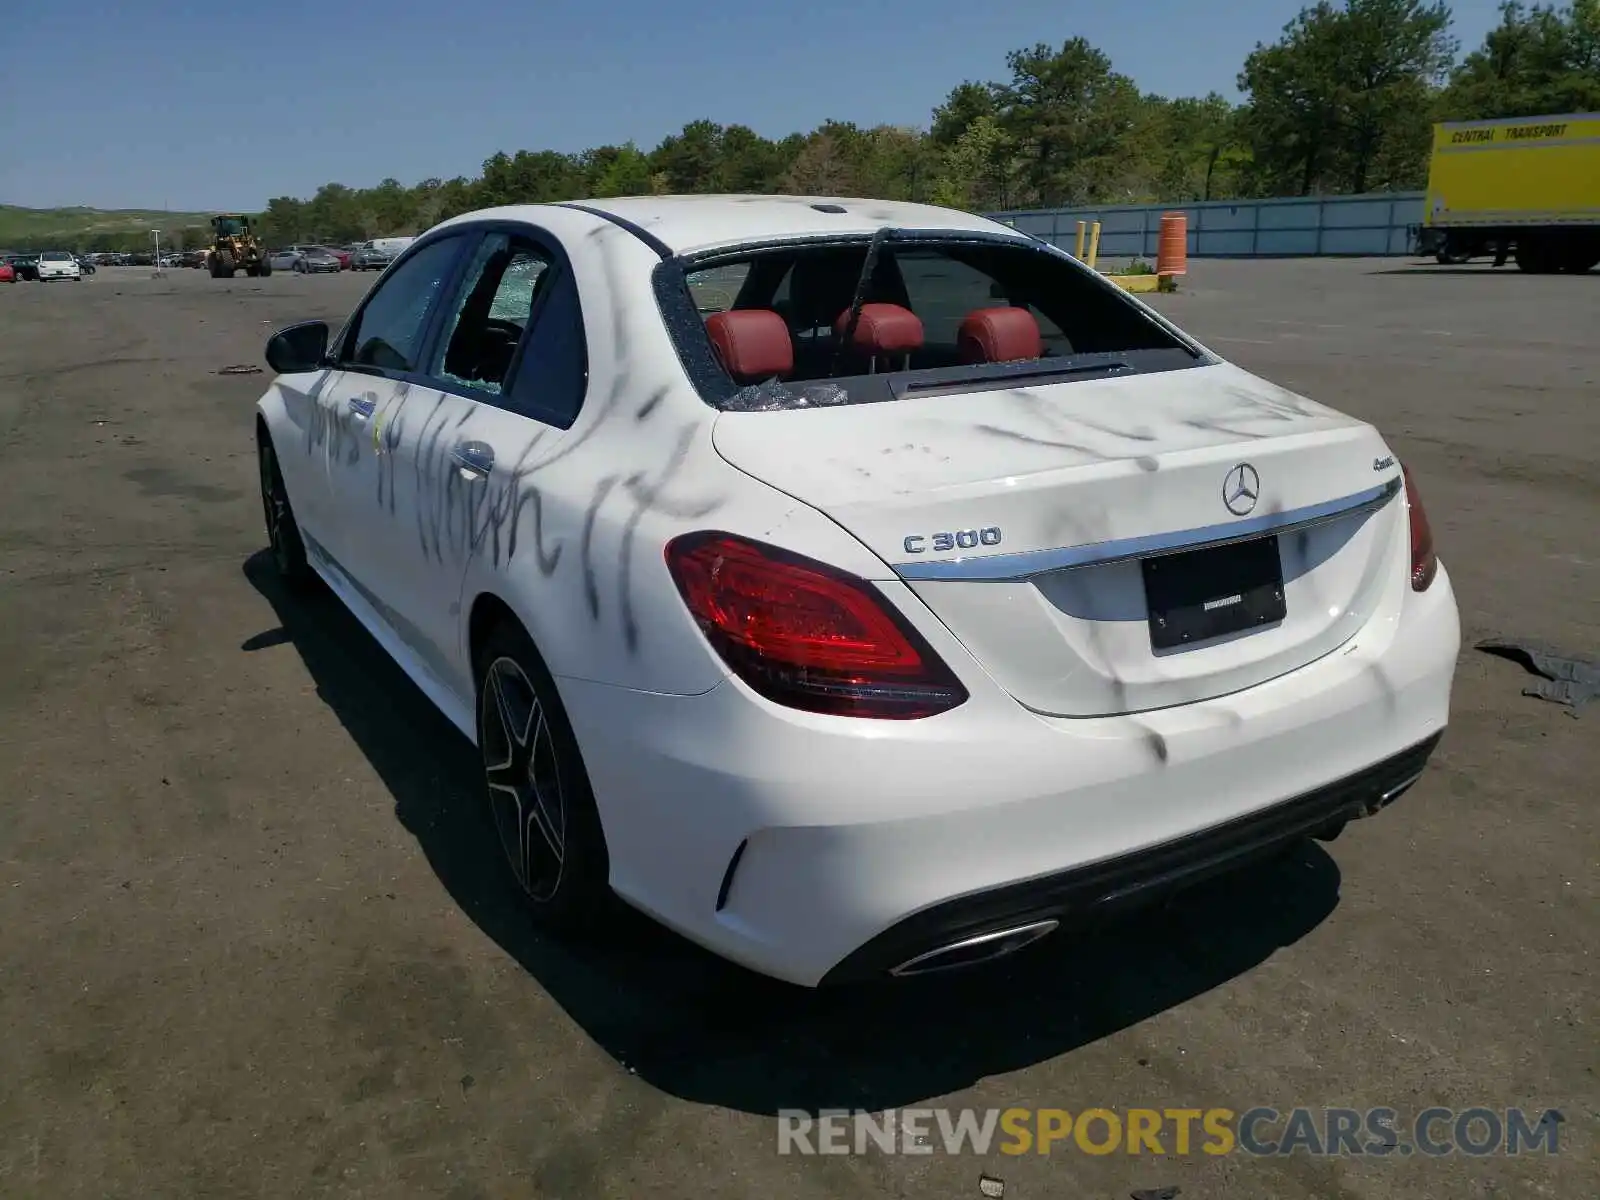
column 1084, row 327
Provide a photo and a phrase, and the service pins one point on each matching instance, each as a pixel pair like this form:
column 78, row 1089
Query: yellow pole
column 1077, row 246
column 1094, row 243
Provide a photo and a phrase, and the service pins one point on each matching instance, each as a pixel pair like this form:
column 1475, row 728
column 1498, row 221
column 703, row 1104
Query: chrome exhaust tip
column 1374, row 807
column 980, row 948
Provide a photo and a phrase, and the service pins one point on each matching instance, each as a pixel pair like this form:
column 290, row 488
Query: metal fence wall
column 1371, row 224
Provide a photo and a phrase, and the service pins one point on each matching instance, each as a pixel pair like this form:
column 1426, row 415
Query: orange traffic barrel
column 1172, row 251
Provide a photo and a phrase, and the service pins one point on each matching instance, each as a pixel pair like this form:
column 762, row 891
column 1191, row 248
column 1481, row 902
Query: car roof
column 685, row 224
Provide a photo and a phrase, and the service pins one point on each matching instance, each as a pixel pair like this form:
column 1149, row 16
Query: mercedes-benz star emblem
column 1241, row 489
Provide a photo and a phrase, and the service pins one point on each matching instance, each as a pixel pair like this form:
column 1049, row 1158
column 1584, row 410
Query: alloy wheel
column 524, row 777
column 275, row 507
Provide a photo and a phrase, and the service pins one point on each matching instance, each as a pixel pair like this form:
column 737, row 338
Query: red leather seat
column 882, row 329
column 993, row 335
column 752, row 343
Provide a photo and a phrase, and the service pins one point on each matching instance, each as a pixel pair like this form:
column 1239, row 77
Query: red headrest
column 883, row 329
column 753, row 343
column 992, row 335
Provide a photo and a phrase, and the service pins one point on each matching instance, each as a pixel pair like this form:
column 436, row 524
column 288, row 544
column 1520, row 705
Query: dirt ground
column 250, row 944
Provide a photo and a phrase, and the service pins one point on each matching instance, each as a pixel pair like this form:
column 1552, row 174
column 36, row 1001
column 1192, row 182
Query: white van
column 392, row 244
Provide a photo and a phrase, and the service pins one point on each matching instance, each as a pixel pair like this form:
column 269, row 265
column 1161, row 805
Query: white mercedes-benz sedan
column 858, row 588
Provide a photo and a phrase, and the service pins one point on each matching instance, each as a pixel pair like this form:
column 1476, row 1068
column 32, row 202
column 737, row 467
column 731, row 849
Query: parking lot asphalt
column 251, row 943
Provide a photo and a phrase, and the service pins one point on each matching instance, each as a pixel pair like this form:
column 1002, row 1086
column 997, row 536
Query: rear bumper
column 1085, row 895
column 816, row 849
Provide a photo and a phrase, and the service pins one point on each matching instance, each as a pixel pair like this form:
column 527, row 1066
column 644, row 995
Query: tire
column 266, row 267
column 1534, row 257
column 537, row 796
column 1581, row 259
column 283, row 532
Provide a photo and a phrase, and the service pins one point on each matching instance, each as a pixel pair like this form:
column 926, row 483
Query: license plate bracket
column 1196, row 595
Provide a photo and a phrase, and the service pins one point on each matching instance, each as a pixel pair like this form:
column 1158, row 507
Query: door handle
column 474, row 458
column 362, row 407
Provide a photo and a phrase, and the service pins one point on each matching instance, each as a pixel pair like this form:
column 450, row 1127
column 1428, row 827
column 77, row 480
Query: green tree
column 1195, row 154
column 691, row 158
column 975, row 173
column 456, row 196
column 895, row 163
column 283, row 221
column 389, row 209
column 966, row 103
column 1537, row 60
column 1341, row 102
column 749, row 162
column 1070, row 115
column 618, row 171
column 824, row 166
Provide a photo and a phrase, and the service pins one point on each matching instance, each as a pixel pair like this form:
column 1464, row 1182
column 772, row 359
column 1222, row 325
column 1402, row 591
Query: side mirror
column 302, row 347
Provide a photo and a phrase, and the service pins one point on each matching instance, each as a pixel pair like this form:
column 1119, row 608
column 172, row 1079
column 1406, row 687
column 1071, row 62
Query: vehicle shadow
column 1481, row 270
column 707, row 1031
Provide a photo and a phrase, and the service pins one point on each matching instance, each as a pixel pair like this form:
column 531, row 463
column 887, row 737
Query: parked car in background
column 284, row 260
column 8, row 273
column 314, row 260
column 25, row 264
column 341, row 253
column 58, row 264
column 371, row 258
column 86, row 264
column 392, row 244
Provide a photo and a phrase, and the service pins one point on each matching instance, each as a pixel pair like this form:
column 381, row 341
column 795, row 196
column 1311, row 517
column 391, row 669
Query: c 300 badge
column 960, row 539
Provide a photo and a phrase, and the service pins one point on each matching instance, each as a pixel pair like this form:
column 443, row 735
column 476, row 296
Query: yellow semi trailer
column 1527, row 188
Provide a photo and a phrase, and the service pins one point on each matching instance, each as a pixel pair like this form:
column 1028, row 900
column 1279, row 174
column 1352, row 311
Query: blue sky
column 206, row 105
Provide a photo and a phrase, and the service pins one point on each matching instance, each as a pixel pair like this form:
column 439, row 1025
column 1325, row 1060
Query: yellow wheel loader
column 234, row 246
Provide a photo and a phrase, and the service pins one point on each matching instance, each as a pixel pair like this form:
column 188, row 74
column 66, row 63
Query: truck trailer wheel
column 1454, row 250
column 1583, row 255
column 1537, row 257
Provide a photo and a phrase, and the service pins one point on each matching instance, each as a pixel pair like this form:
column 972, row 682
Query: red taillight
column 806, row 635
column 1424, row 562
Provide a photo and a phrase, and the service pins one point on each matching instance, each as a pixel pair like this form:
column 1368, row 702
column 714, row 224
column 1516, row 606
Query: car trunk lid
column 1053, row 528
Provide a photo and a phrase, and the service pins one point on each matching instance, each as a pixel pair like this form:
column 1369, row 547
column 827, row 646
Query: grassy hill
column 72, row 228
